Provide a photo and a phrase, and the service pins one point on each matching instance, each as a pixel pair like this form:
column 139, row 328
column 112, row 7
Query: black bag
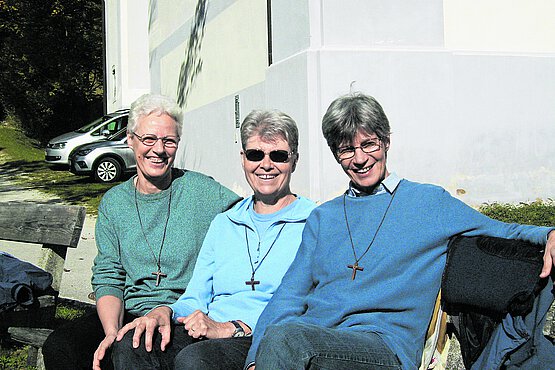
column 484, row 279
column 491, row 275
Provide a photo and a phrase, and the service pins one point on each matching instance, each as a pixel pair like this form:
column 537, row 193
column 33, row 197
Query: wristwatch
column 239, row 332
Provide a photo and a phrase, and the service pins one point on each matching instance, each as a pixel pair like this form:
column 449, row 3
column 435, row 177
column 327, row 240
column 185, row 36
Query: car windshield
column 92, row 125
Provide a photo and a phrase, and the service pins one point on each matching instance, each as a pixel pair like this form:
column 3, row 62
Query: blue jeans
column 183, row 352
column 295, row 346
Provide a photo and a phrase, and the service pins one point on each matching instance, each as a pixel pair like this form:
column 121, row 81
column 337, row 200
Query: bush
column 539, row 212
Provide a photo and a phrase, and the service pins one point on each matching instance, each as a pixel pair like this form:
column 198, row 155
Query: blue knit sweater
column 395, row 294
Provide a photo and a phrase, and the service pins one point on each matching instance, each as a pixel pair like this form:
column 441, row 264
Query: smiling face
column 365, row 170
column 269, row 180
column 153, row 162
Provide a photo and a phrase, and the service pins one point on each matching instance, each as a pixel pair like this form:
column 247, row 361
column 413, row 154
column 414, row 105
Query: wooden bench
column 54, row 228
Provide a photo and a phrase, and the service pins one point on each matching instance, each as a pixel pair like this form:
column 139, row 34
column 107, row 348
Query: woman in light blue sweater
column 246, row 252
column 361, row 290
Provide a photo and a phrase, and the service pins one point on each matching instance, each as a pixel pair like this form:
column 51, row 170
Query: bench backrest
column 55, row 227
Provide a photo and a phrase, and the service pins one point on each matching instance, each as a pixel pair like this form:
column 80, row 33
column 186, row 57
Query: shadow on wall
column 192, row 65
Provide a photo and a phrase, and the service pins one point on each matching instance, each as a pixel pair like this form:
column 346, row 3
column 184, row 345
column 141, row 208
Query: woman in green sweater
column 148, row 233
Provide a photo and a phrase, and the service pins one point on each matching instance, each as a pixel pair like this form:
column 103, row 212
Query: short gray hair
column 152, row 103
column 270, row 125
column 350, row 113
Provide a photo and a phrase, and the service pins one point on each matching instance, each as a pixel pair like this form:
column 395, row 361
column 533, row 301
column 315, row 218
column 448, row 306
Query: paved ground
column 76, row 282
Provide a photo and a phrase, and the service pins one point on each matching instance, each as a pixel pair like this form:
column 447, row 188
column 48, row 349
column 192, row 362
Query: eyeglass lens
column 256, row 155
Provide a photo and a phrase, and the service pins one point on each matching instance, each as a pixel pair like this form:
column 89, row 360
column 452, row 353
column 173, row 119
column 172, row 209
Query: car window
column 117, row 124
column 99, row 130
column 88, row 127
column 112, row 126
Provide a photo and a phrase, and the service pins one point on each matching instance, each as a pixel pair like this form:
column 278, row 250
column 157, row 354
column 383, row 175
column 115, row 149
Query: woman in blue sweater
column 361, row 290
column 246, row 252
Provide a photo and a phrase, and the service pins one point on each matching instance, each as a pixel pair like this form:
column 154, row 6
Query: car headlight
column 84, row 152
column 58, row 145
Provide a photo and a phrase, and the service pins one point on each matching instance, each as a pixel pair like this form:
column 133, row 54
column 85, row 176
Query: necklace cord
column 357, row 259
column 269, row 249
column 156, row 260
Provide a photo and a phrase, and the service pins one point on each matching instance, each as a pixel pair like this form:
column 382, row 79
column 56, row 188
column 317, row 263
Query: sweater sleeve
column 289, row 299
column 227, row 198
column 199, row 292
column 108, row 274
column 458, row 218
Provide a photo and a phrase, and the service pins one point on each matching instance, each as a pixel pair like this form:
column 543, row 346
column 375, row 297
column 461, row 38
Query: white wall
column 234, row 61
column 233, row 53
column 500, row 25
column 468, row 86
column 475, row 122
column 127, row 55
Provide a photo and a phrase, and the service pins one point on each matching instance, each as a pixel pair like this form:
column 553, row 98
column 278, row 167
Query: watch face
column 239, row 332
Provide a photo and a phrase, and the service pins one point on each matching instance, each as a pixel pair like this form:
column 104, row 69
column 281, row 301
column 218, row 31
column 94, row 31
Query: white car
column 59, row 149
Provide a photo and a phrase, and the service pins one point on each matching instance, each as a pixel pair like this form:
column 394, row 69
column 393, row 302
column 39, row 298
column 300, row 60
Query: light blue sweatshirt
column 218, row 287
column 395, row 294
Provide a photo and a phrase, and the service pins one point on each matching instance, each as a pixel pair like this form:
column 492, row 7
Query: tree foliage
column 51, row 64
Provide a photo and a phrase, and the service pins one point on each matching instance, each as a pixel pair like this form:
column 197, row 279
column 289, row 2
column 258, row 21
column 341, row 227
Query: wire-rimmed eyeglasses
column 150, row 140
column 368, row 147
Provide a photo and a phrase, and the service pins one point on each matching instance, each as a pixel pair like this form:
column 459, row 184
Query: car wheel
column 107, row 170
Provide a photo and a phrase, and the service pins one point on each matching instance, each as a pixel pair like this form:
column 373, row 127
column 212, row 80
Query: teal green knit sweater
column 125, row 262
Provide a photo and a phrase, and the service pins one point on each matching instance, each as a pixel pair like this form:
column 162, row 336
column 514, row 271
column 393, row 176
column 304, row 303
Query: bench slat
column 32, row 336
column 41, row 223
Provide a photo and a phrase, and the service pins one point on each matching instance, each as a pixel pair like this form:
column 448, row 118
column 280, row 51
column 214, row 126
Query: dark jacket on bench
column 19, row 280
column 501, row 304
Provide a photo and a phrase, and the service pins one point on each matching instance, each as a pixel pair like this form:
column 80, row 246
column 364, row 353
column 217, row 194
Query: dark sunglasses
column 277, row 156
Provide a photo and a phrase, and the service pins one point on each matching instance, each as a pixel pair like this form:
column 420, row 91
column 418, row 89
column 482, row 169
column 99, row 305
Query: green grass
column 24, row 158
column 14, row 358
column 16, row 145
column 66, row 313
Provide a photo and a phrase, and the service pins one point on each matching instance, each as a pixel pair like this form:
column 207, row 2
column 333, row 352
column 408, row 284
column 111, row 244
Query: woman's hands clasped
column 199, row 325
